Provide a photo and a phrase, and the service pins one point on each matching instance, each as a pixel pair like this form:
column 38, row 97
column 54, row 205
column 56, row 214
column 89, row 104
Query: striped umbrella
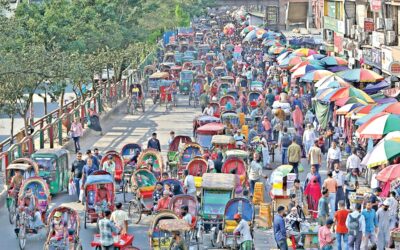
column 347, row 108
column 360, row 75
column 283, row 56
column 301, row 71
column 290, row 61
column 273, row 50
column 386, row 149
column 348, row 100
column 334, row 61
column 379, row 125
column 305, row 52
column 316, row 57
column 351, row 92
column 316, row 75
column 331, row 78
column 307, row 62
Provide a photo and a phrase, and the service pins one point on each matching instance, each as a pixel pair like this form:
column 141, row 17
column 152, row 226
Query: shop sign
column 376, row 5
column 330, row 23
column 394, row 68
column 373, row 57
column 338, row 42
column 368, row 24
column 378, row 39
column 387, row 59
column 341, row 27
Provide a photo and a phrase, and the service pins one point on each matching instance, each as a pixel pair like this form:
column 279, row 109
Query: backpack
column 285, row 140
column 354, row 224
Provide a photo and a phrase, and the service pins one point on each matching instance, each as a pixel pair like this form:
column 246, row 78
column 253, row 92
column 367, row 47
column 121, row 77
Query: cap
column 58, row 214
column 329, row 222
column 386, row 203
column 237, row 216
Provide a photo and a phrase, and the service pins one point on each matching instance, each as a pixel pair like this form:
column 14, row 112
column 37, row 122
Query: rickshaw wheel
column 85, row 221
column 12, row 213
column 22, row 238
column 135, row 209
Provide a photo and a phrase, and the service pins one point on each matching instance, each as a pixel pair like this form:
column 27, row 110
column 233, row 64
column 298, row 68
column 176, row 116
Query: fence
column 52, row 130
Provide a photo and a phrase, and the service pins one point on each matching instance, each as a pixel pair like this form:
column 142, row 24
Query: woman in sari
column 298, row 120
column 313, row 194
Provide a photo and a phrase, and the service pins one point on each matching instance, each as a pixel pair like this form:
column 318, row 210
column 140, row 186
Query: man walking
column 315, row 155
column 340, row 177
column 355, row 223
column 354, row 162
column 333, row 156
column 383, row 219
column 308, row 138
column 331, row 185
column 280, row 229
column 154, row 143
column 341, row 229
column 120, row 218
column 107, row 228
column 76, row 173
column 284, row 143
column 294, row 156
column 370, row 226
column 323, row 207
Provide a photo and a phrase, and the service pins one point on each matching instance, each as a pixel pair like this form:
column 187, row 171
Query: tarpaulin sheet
column 322, row 114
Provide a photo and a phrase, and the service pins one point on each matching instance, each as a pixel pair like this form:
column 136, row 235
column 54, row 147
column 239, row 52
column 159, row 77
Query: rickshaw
column 217, row 190
column 199, row 65
column 173, row 151
column 41, row 194
column 223, row 88
column 241, row 206
column 188, row 152
column 216, row 108
column 220, row 71
column 197, row 167
column 175, row 184
column 189, row 55
column 70, row 218
column 136, row 99
column 143, row 184
column 94, row 207
column 210, row 57
column 171, row 47
column 205, row 133
column 209, row 67
column 201, row 120
column 155, row 83
column 231, row 116
column 175, row 71
column 239, row 166
column 165, row 91
column 223, row 142
column 53, row 167
column 121, row 242
column 129, row 150
column 27, row 168
column 203, row 49
column 244, row 155
column 198, row 37
column 153, row 156
column 160, row 240
column 233, row 93
column 185, row 81
column 119, row 165
column 253, row 96
column 169, row 57
column 178, row 57
column 147, row 72
column 228, row 79
column 187, row 66
column 225, row 99
column 256, row 86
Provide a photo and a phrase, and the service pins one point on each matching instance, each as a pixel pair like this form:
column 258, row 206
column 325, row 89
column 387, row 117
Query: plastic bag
column 71, row 188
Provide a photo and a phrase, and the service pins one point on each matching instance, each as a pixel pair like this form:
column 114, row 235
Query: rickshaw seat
column 118, row 174
column 146, row 193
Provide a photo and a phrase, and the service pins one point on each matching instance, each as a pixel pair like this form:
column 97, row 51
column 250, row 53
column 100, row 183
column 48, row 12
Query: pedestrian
column 280, row 229
column 294, row 156
column 326, row 241
column 171, row 137
column 340, row 177
column 76, row 133
column 383, row 219
column 375, row 199
column 341, row 228
column 298, row 119
column 298, row 191
column 334, row 155
column 292, row 223
column 189, row 183
column 354, row 162
column 265, row 153
column 154, row 143
column 312, row 193
column 94, row 121
column 255, row 171
column 94, row 159
column 309, row 138
column 120, row 218
column 109, row 165
column 284, row 143
column 107, row 228
column 314, row 156
column 243, row 229
column 313, row 173
column 351, row 183
column 209, row 110
column 76, row 173
column 88, row 169
column 331, row 185
column 355, row 223
column 323, row 207
column 393, row 206
column 97, row 154
column 371, row 228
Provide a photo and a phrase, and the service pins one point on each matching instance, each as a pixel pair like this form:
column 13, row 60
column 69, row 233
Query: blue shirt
column 95, row 161
column 279, row 228
column 197, row 88
column 323, row 208
column 107, row 227
column 370, row 220
column 88, row 170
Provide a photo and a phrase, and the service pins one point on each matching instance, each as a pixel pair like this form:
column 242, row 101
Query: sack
column 285, row 140
column 71, row 188
column 300, row 168
column 354, row 224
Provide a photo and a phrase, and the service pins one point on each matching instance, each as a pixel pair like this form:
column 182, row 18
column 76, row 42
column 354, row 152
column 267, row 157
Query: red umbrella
column 393, row 108
column 389, row 173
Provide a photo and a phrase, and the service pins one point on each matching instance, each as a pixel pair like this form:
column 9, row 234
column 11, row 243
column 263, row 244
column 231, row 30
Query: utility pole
column 310, row 15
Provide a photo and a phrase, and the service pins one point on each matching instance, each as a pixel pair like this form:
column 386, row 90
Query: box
column 265, row 215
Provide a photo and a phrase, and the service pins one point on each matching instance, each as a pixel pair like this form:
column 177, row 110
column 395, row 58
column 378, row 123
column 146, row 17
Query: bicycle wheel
column 135, row 211
column 12, row 213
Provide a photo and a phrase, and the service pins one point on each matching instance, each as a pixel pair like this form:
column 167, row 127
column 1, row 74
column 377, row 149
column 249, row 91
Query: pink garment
column 76, row 129
column 313, row 194
column 324, row 236
column 298, row 117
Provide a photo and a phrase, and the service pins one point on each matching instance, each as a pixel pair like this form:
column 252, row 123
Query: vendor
column 243, row 229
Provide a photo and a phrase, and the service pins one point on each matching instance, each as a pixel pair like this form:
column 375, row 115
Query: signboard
column 368, row 24
column 376, row 5
column 338, row 42
column 378, row 39
column 387, row 59
column 373, row 57
column 394, row 68
column 332, row 9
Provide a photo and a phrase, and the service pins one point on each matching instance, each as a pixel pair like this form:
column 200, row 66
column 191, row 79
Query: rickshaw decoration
column 151, row 156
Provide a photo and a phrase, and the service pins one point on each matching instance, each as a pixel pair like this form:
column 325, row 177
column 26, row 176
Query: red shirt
column 340, row 218
column 163, row 203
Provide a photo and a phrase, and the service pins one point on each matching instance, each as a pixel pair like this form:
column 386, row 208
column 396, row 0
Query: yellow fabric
column 149, row 188
column 165, row 243
column 197, row 181
column 230, row 225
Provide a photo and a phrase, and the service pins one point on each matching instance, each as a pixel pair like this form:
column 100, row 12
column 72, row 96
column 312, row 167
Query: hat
column 237, row 217
column 386, row 203
column 58, row 214
column 329, row 222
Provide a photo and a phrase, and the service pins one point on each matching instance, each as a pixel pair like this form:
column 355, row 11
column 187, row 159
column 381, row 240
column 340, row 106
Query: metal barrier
column 52, row 130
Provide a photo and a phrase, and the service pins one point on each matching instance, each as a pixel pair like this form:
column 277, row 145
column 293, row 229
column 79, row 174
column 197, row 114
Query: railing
column 51, row 130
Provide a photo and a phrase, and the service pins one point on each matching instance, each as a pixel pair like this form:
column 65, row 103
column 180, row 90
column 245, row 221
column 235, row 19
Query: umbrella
column 301, row 71
column 291, row 61
column 334, row 61
column 284, row 169
column 325, row 94
column 351, row 92
column 360, row 111
column 333, row 85
column 375, row 110
column 276, row 50
column 388, row 174
column 379, row 125
column 250, row 36
column 316, row 57
column 385, row 150
column 247, row 29
column 269, row 43
column 373, row 88
column 307, row 62
column 393, row 108
column 316, row 75
column 282, row 56
column 331, row 78
column 360, row 75
column 349, row 100
column 335, row 69
column 304, row 52
column 347, row 108
column 260, row 33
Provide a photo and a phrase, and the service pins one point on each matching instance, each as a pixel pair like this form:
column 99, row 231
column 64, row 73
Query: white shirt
column 374, row 181
column 309, row 136
column 334, row 154
column 210, row 164
column 255, row 171
column 244, row 229
column 353, row 162
column 393, row 204
column 208, row 111
column 119, row 217
column 361, row 220
column 189, row 184
column 339, row 177
column 188, row 218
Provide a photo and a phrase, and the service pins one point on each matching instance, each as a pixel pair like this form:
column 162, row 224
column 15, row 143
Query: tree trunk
column 12, row 130
column 61, row 103
column 45, row 103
